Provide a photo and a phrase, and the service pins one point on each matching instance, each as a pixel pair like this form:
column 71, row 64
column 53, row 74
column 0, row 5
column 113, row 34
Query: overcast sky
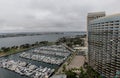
column 50, row 15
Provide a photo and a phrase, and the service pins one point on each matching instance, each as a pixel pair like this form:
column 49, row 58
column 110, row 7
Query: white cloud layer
column 50, row 15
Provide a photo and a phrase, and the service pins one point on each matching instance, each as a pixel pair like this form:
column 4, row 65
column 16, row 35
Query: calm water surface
column 11, row 41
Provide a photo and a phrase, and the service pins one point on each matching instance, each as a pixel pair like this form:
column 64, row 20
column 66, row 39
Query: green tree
column 64, row 68
column 70, row 74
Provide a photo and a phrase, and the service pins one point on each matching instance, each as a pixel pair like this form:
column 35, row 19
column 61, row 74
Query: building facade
column 94, row 15
column 104, row 45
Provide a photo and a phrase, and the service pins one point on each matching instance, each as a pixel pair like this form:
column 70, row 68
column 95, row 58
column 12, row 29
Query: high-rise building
column 94, row 15
column 104, row 45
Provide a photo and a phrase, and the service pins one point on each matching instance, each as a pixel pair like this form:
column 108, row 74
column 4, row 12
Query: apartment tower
column 104, row 44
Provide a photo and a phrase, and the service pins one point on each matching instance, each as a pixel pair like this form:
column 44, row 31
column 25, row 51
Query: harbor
column 48, row 54
column 26, row 69
column 43, row 58
column 39, row 62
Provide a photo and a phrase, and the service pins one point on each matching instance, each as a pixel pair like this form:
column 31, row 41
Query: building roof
column 95, row 14
column 106, row 18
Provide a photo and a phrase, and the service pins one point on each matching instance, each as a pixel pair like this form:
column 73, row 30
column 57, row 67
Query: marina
column 48, row 50
column 53, row 50
column 39, row 62
column 43, row 58
column 26, row 69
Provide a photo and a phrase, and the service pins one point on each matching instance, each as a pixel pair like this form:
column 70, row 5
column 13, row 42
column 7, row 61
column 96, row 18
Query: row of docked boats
column 49, row 52
column 42, row 58
column 26, row 69
column 54, row 54
column 56, row 48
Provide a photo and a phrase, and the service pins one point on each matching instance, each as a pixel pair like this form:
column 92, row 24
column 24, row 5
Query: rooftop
column 107, row 18
column 96, row 13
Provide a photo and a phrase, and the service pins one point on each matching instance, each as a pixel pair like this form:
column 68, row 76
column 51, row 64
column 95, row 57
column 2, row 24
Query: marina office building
column 104, row 44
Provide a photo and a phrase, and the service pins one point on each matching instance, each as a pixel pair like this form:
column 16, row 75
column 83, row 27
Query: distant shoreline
column 21, row 35
column 6, row 35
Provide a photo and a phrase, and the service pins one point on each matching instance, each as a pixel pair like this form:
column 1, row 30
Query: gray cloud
column 50, row 15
